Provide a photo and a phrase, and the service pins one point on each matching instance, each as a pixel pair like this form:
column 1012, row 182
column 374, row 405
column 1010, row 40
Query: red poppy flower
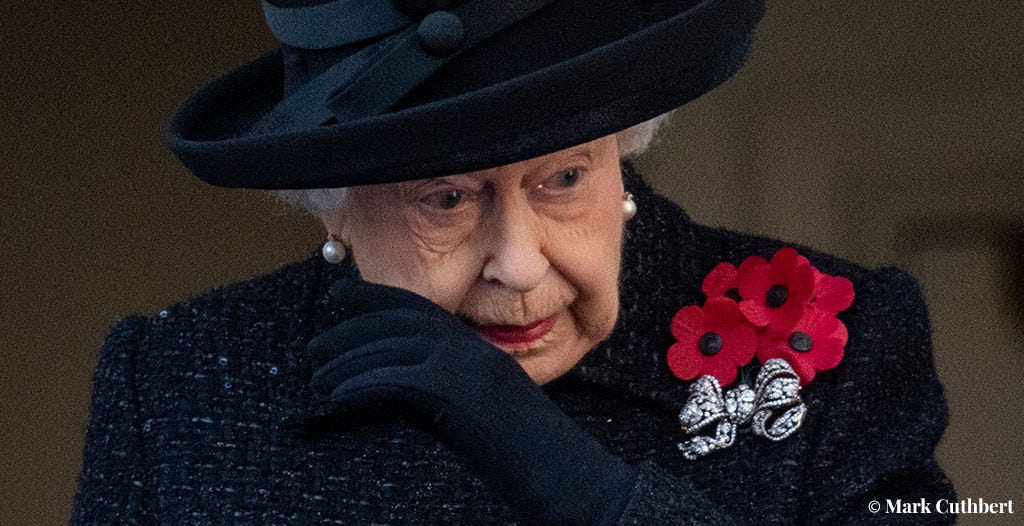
column 776, row 293
column 714, row 340
column 832, row 293
column 814, row 344
column 720, row 280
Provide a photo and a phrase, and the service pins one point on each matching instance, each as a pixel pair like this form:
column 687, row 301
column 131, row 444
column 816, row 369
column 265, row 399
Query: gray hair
column 632, row 141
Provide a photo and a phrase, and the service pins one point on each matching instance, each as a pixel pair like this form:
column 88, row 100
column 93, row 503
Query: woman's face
column 527, row 252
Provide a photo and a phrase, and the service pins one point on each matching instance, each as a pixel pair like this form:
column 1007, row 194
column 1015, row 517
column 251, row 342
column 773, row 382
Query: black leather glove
column 407, row 350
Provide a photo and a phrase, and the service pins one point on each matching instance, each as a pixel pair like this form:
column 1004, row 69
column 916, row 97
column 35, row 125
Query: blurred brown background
column 884, row 132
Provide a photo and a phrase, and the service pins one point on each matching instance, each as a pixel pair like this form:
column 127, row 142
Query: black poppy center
column 733, row 294
column 776, row 296
column 800, row 341
column 710, row 344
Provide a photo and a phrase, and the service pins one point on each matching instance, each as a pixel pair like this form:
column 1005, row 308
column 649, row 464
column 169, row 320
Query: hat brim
column 598, row 93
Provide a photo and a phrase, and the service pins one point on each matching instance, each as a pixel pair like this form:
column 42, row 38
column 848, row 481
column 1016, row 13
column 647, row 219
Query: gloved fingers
column 368, row 328
column 389, row 352
column 376, row 386
column 367, row 297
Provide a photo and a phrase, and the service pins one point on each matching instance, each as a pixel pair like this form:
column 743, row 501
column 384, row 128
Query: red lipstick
column 518, row 334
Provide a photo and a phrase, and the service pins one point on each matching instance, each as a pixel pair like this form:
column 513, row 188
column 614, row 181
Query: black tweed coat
column 201, row 414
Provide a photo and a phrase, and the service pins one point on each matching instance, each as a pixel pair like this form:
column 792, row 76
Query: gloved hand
column 407, row 350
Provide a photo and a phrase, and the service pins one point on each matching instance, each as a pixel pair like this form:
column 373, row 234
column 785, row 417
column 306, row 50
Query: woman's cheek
column 450, row 282
column 591, row 264
column 604, row 260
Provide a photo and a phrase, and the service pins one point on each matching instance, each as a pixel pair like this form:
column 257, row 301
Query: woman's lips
column 518, row 334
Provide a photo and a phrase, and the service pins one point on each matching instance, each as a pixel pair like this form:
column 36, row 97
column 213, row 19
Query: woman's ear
column 336, row 224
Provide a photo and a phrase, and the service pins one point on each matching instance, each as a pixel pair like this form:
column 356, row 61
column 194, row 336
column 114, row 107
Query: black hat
column 378, row 91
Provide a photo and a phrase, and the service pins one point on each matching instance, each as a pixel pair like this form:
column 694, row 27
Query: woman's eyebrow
column 583, row 151
column 457, row 178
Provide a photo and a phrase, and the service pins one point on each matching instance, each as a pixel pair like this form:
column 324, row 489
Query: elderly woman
column 506, row 324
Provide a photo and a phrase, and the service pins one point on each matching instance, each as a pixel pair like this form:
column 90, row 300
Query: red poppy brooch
column 782, row 311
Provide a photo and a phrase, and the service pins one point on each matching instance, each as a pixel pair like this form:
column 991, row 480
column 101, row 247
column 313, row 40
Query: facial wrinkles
column 490, row 304
column 589, row 324
column 433, row 239
column 555, row 293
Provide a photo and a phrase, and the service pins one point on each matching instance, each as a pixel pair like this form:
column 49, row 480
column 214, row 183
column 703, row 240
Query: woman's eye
column 565, row 179
column 445, row 200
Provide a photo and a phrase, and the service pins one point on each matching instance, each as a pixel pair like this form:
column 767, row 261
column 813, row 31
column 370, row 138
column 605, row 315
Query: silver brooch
column 777, row 387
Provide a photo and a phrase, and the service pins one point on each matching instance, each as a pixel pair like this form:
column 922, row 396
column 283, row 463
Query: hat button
column 441, row 33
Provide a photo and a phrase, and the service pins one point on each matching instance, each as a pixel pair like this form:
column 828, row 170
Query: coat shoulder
column 663, row 229
column 668, row 252
column 220, row 336
column 274, row 295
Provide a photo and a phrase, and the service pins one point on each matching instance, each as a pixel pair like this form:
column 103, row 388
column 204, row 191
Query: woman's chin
column 521, row 350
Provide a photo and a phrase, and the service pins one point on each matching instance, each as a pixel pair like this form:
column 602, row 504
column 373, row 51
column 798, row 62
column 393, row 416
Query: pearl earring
column 628, row 206
column 333, row 250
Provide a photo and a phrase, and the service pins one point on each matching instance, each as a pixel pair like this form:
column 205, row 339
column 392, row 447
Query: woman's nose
column 516, row 257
